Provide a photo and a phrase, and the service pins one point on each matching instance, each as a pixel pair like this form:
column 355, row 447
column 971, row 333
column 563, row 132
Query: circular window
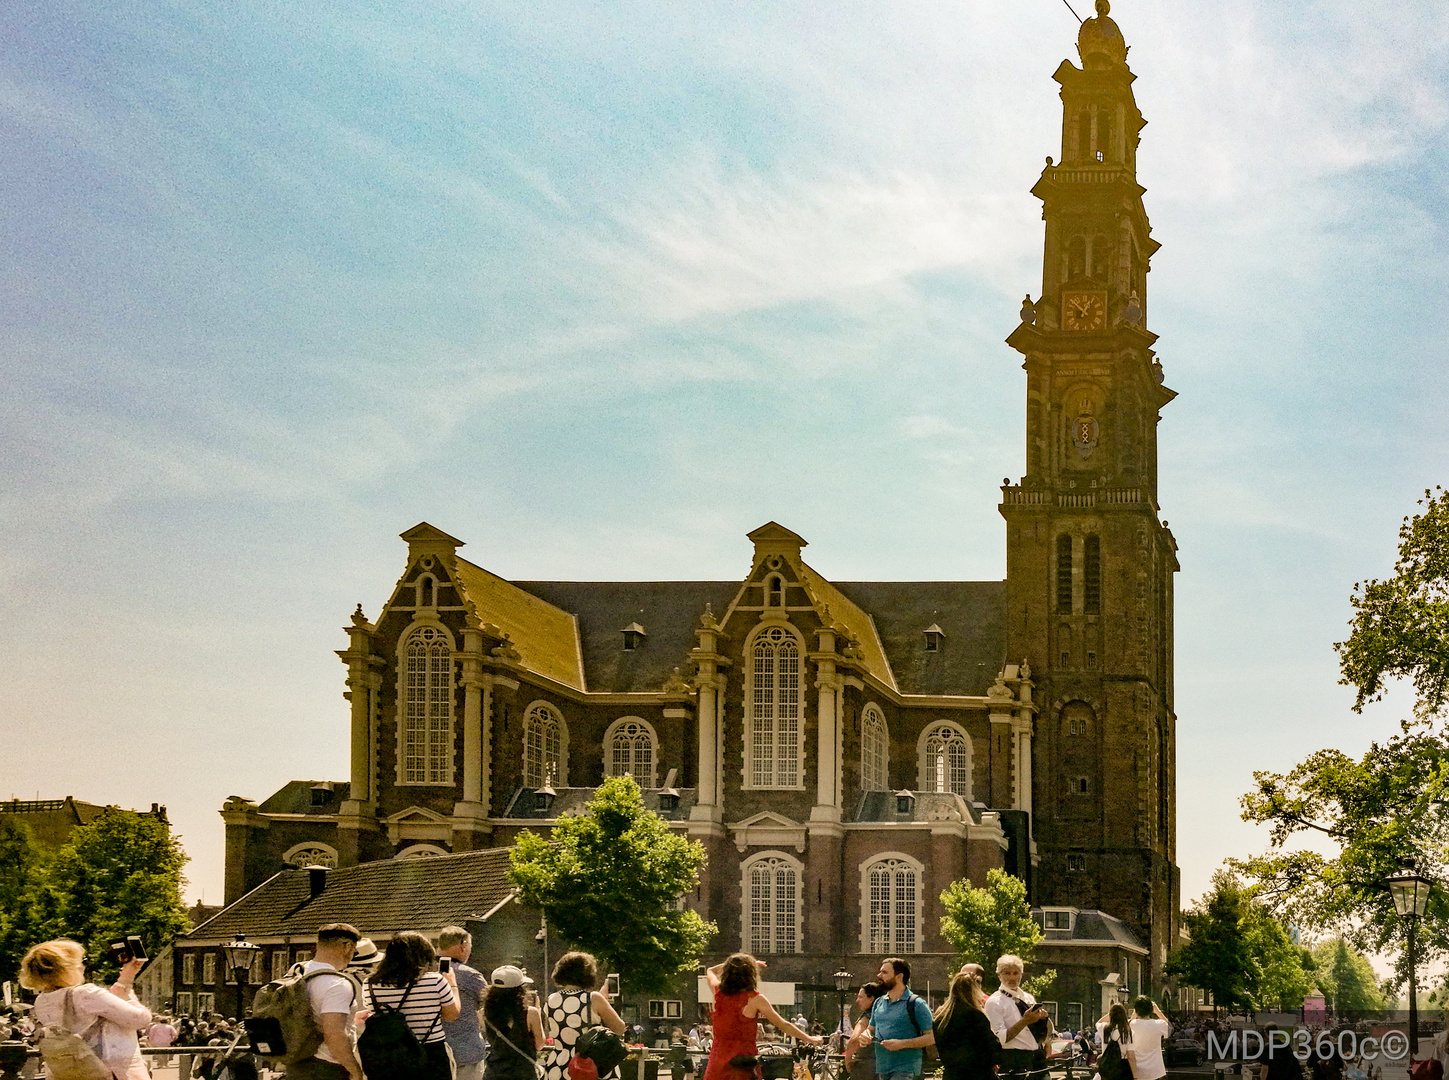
column 427, row 562
column 773, row 562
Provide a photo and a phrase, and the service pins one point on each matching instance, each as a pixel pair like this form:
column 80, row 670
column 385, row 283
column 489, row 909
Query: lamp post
column 843, row 980
column 239, row 953
column 1410, row 891
column 542, row 938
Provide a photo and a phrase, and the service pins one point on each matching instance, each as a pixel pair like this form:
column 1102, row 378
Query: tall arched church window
column 544, row 738
column 1084, row 134
column 774, row 591
column 1100, row 250
column 892, row 903
column 874, row 750
column 427, row 725
column 772, row 905
column 774, row 727
column 1092, row 576
column 1064, row 574
column 1104, row 136
column 946, row 763
column 629, row 746
column 427, row 591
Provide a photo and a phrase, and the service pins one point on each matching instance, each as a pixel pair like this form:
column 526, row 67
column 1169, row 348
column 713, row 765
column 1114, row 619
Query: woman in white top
column 1149, row 1028
column 108, row 1020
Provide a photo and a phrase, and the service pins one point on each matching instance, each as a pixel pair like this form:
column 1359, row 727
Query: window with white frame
column 543, row 743
column 946, row 760
column 208, row 968
column 205, row 1004
column 279, row 963
column 630, row 750
column 774, row 728
column 427, row 725
column 772, row 905
column 183, row 1004
column 892, row 902
column 874, row 750
column 188, row 969
column 256, row 976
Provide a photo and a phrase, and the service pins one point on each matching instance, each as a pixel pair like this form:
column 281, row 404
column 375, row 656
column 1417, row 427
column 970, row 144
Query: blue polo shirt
column 891, row 1020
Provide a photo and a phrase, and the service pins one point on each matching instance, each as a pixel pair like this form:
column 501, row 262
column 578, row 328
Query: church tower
column 1089, row 561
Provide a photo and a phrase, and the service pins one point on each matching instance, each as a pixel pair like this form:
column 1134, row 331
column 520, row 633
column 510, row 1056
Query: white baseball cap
column 508, row 976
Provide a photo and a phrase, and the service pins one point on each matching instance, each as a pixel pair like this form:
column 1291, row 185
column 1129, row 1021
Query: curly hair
column 576, row 969
column 739, row 974
column 408, row 956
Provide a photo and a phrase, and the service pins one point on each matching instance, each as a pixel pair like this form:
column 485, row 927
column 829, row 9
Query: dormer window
column 774, row 591
column 633, row 637
column 1056, row 920
column 934, row 638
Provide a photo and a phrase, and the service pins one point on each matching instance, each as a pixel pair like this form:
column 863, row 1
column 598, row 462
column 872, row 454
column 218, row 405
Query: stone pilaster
column 709, row 683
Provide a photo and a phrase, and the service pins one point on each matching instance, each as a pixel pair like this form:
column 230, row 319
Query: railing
column 1012, row 495
column 33, row 806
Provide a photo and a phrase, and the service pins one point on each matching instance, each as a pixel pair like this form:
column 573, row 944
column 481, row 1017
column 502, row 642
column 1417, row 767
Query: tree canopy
column 1388, row 805
column 119, row 875
column 609, row 882
column 983, row 924
column 1400, row 627
column 1345, row 978
column 1240, row 953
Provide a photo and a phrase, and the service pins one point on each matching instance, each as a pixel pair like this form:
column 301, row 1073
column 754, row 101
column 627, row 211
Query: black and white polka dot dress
column 567, row 1013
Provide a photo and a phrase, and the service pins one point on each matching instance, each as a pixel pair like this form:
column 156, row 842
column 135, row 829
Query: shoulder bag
column 67, row 1055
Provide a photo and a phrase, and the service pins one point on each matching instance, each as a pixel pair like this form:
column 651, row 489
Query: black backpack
column 1112, row 1065
column 387, row 1047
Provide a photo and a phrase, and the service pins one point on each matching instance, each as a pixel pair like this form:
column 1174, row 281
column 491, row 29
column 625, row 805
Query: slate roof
column 379, row 898
column 889, row 618
column 295, row 797
column 668, row 610
column 881, row 806
column 1091, row 924
column 572, row 800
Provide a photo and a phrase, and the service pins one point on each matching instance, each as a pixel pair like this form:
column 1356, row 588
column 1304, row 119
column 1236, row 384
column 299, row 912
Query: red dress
column 734, row 1034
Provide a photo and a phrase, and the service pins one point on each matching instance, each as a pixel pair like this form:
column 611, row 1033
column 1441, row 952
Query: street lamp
column 843, row 981
column 1411, row 896
column 239, row 953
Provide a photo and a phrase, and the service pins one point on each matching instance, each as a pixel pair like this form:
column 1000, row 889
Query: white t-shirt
column 1001, row 1010
column 331, row 996
column 1147, row 1036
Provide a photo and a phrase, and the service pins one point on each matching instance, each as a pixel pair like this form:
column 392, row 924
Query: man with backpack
column 333, row 999
column 900, row 1024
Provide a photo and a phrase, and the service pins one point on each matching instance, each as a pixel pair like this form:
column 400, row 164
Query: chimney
column 317, row 880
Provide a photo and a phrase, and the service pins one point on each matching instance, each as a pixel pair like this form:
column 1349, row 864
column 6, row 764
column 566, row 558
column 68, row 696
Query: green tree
column 23, row 862
column 119, row 875
column 1284, row 970
column 1400, row 626
column 609, row 881
column 1387, row 805
column 983, row 924
column 1345, row 978
column 1218, row 957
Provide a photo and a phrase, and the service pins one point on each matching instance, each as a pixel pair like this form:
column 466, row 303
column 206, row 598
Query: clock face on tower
column 1084, row 310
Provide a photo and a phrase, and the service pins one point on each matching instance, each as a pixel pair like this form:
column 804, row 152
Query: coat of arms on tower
column 1085, row 432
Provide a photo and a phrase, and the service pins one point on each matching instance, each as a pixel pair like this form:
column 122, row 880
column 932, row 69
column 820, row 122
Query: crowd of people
column 465, row 1026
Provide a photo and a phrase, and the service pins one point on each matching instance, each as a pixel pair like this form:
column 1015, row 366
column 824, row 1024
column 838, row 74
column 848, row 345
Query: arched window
column 420, row 851
column 946, row 759
column 629, row 744
column 774, row 727
column 1084, row 134
column 1100, row 251
column 545, row 742
column 1064, row 574
column 1092, row 576
column 311, row 855
column 772, row 904
column 774, row 591
column 890, row 901
column 1077, row 717
column 427, row 725
column 874, row 750
column 427, row 591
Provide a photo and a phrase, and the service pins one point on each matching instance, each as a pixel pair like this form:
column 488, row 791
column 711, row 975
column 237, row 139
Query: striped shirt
column 423, row 1007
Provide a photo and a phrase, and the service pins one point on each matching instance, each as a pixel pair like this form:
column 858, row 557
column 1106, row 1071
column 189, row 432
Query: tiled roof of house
column 1092, row 925
column 857, row 622
column 379, row 898
column 573, row 800
column 927, row 806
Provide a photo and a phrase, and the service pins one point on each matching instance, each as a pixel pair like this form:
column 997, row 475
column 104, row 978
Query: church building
column 843, row 749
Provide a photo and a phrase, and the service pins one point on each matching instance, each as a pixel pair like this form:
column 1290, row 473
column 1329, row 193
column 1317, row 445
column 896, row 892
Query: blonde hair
column 965, row 994
column 52, row 965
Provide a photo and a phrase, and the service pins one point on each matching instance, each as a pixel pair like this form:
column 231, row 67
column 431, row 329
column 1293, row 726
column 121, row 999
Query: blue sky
column 599, row 288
